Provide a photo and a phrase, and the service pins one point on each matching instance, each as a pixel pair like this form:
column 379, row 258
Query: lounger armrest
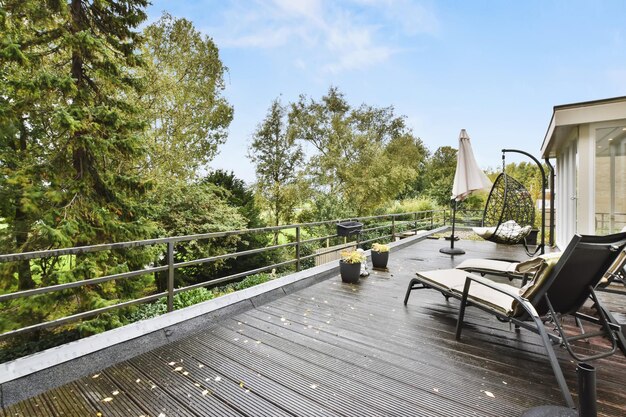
column 526, row 305
column 489, row 283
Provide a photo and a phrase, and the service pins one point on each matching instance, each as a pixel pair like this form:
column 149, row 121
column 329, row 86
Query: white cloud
column 311, row 9
column 359, row 58
column 336, row 36
column 262, row 38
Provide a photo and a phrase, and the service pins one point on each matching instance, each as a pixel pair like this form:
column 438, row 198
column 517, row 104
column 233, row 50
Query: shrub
column 412, row 205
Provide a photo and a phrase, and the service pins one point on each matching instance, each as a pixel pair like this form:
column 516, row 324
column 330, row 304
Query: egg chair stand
column 510, row 211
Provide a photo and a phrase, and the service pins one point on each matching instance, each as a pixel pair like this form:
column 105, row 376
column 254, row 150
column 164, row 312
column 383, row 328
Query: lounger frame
column 570, row 283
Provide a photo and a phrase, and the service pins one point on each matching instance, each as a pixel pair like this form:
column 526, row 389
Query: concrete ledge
column 31, row 375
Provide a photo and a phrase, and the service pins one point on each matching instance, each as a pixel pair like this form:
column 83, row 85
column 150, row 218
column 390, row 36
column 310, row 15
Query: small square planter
column 349, row 272
column 380, row 259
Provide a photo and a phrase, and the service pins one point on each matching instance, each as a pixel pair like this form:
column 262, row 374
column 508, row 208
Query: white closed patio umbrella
column 467, row 179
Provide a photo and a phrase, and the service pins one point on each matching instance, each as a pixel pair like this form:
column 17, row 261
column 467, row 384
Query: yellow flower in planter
column 380, row 247
column 380, row 255
column 352, row 257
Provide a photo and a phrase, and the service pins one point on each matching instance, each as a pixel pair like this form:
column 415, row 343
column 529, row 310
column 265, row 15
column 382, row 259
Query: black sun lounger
column 527, row 269
column 561, row 288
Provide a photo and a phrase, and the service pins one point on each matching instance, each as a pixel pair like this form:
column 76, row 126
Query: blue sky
column 493, row 67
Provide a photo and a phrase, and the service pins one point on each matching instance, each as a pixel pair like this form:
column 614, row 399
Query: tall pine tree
column 71, row 137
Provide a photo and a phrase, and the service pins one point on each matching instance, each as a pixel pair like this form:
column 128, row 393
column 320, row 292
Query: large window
column 610, row 181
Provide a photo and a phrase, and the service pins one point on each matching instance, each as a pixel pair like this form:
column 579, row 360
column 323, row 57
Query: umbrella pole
column 452, row 250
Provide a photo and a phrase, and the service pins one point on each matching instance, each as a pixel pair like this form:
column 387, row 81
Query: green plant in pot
column 380, row 255
column 350, row 266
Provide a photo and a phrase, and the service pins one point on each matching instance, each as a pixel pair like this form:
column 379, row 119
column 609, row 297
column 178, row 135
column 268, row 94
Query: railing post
column 432, row 220
column 393, row 228
column 416, row 222
column 298, row 248
column 170, row 276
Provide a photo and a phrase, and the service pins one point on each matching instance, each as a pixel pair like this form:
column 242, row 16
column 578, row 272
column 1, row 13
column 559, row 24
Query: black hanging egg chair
column 509, row 213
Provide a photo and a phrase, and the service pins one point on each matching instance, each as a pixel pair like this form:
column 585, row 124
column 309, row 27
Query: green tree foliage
column 529, row 175
column 71, row 147
column 277, row 162
column 440, row 175
column 364, row 155
column 184, row 79
column 28, row 85
column 234, row 191
column 197, row 208
column 237, row 194
column 71, row 138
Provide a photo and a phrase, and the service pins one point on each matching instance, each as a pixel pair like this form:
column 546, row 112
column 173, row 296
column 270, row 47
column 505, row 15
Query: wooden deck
column 337, row 349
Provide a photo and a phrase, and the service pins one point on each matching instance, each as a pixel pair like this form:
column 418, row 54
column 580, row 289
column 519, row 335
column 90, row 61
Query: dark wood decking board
column 336, row 349
column 268, row 388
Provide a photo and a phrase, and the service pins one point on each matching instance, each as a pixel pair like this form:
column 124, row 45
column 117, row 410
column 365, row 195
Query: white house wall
column 585, row 187
column 566, row 197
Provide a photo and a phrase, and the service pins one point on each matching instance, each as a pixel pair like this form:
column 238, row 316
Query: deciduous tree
column 278, row 161
column 366, row 156
column 440, row 174
column 188, row 116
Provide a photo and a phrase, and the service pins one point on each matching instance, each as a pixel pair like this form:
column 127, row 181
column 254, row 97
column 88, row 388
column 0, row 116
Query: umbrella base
column 452, row 251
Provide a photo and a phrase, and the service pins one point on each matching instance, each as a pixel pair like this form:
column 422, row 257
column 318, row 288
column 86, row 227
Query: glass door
column 610, row 180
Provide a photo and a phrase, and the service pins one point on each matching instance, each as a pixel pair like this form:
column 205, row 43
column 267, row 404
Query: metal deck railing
column 387, row 226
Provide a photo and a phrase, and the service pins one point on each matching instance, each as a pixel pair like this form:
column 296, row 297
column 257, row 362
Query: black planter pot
column 349, row 272
column 380, row 259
